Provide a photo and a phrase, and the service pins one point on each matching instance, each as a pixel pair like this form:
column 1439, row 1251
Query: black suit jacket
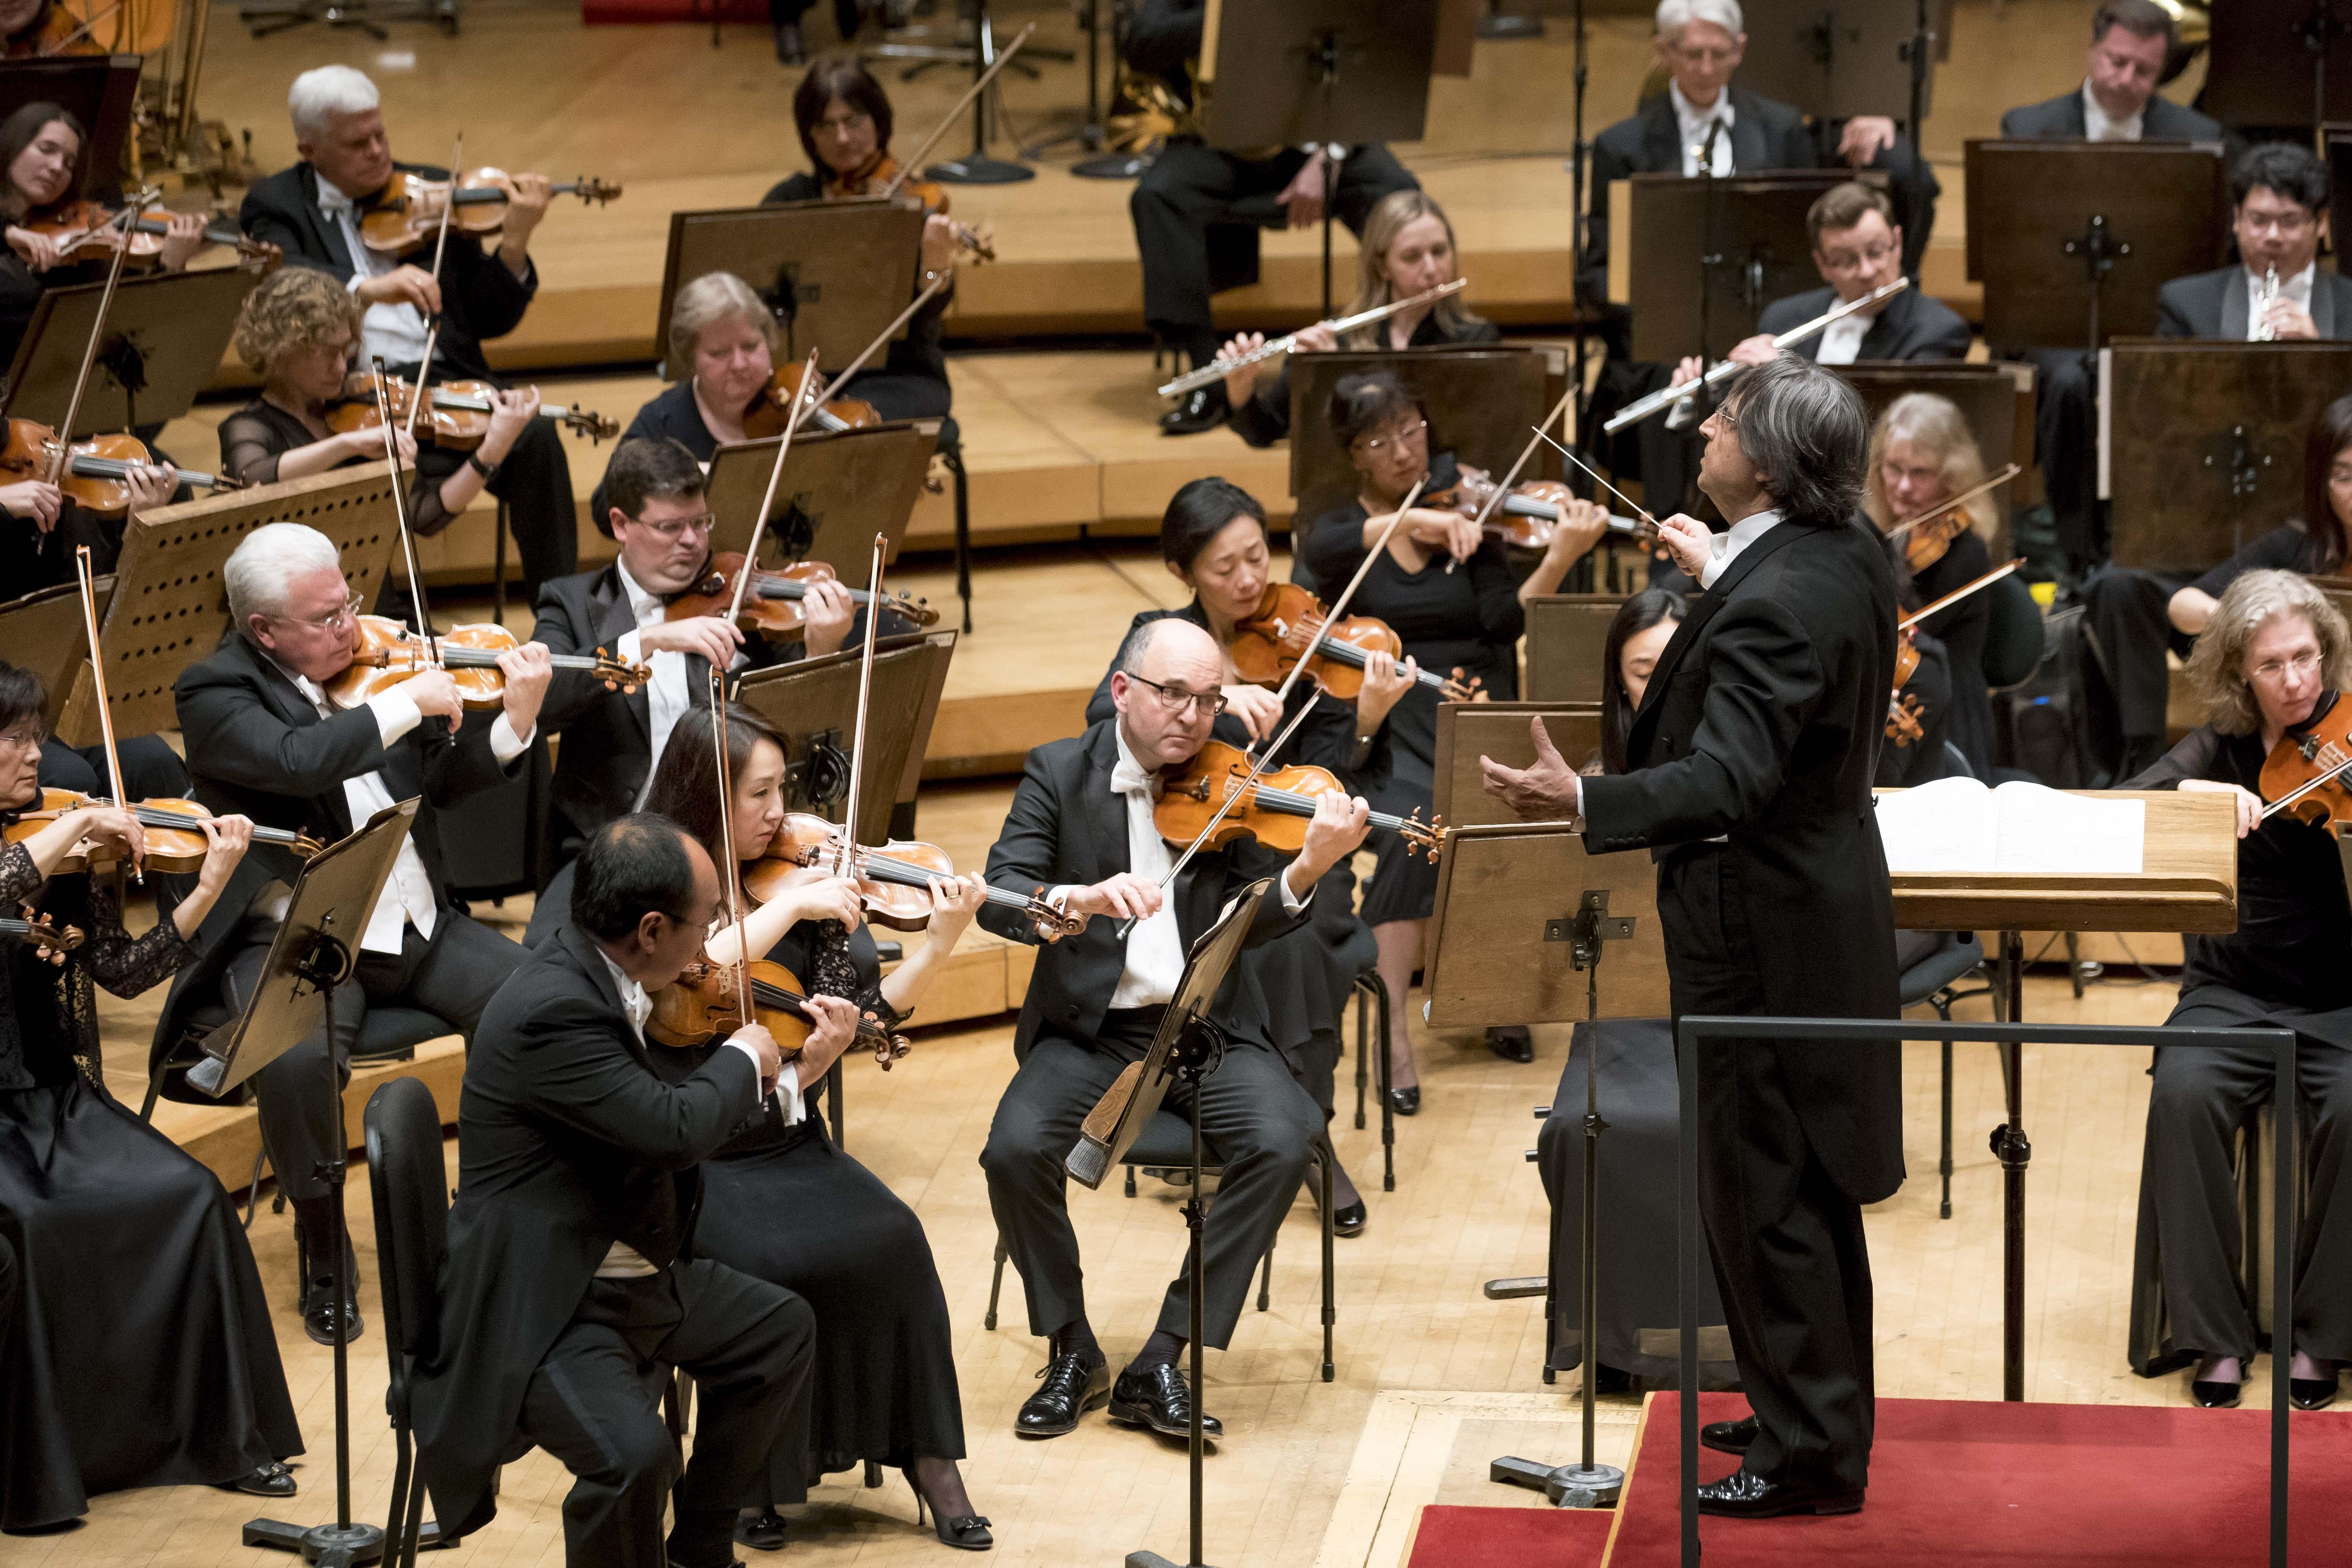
column 2218, row 304
column 479, row 298
column 1912, row 326
column 1068, row 827
column 2061, row 119
column 1761, row 723
column 567, row 1141
column 1764, row 135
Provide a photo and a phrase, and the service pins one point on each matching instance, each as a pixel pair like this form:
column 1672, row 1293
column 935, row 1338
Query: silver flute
column 1635, row 413
column 1217, row 370
column 2265, row 295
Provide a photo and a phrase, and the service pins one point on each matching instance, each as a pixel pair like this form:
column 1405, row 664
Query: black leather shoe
column 762, row 1531
column 272, row 1479
column 1729, row 1436
column 1348, row 1219
column 1072, row 1388
column 1405, row 1102
column 1610, row 1379
column 1744, row 1495
column 1159, row 1398
column 1203, row 408
column 2311, row 1392
column 317, row 1304
column 2216, row 1396
column 1512, row 1043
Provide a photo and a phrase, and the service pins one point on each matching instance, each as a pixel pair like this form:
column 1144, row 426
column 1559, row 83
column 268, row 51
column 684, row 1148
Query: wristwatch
column 488, row 470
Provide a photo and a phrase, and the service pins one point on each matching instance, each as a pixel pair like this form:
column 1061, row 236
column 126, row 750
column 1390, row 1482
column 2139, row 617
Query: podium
column 1566, row 636
column 1480, row 401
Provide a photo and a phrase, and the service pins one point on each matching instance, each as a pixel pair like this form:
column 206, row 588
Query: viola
column 1903, row 713
column 1927, row 537
column 1527, row 515
column 1274, row 810
column 893, row 880
column 1289, row 617
column 97, row 474
column 772, row 408
column 879, row 177
column 44, row 935
column 174, row 832
column 772, row 604
column 389, row 653
column 701, row 1005
column 456, row 414
column 407, row 213
column 2308, row 775
column 76, row 224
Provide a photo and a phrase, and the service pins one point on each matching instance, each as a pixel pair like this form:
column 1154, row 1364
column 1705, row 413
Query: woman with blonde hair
column 2273, row 661
column 1408, row 248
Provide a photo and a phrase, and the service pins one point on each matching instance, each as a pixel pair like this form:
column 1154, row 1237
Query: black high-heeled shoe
column 2210, row 1395
column 969, row 1533
column 763, row 1531
column 1405, row 1102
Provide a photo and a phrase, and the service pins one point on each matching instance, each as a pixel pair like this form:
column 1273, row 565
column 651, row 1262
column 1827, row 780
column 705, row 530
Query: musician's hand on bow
column 763, row 1046
column 712, row 637
column 836, row 1024
column 2288, row 319
column 1255, row 706
column 39, row 251
column 527, row 669
column 1303, row 198
column 826, row 611
column 433, row 692
column 1125, row 895
column 2249, row 804
column 1865, row 136
column 34, row 498
column 1688, row 542
column 407, row 284
column 1544, row 791
column 824, row 898
column 1333, row 833
column 103, row 827
column 1449, row 531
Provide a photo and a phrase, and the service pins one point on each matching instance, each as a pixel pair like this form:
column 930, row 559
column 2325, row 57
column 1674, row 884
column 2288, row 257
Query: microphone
column 1707, row 147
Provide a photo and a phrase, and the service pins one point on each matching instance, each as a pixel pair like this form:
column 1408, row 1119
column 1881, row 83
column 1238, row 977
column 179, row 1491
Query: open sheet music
column 1958, row 825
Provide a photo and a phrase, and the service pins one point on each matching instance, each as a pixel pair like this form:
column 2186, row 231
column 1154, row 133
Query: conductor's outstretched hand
column 1545, row 791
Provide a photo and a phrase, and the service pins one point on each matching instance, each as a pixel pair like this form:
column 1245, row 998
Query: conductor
column 1750, row 761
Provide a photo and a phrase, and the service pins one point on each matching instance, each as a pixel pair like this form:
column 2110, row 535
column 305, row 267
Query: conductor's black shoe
column 1729, row 1436
column 763, row 1531
column 1405, row 1102
column 2311, row 1392
column 1159, row 1398
column 1348, row 1219
column 1203, row 408
column 272, row 1479
column 2210, row 1395
column 1512, row 1043
column 317, row 1304
column 1744, row 1495
column 1072, row 1388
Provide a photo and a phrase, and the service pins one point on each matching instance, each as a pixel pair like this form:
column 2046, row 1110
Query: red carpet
column 1510, row 1538
column 1967, row 1484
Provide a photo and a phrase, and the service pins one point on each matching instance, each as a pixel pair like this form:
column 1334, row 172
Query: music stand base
column 1501, row 27
column 1153, row 1559
column 979, row 170
column 1111, row 166
column 1568, row 1485
column 335, row 1544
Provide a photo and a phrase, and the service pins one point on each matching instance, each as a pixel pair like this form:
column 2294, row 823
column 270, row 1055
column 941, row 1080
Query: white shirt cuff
column 788, row 1085
column 626, row 650
column 351, row 284
column 1291, row 902
column 396, row 714
column 505, row 744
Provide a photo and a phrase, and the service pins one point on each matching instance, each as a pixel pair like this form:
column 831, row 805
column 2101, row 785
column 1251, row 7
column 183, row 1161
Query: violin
column 74, row 225
column 771, row 410
column 772, row 604
column 1267, row 644
column 1274, row 810
column 44, row 935
column 1927, row 537
column 1528, row 513
column 700, row 1005
column 456, row 414
column 2308, row 775
column 1903, row 713
column 175, row 834
column 882, row 177
column 98, row 476
column 893, row 881
column 407, row 213
column 389, row 653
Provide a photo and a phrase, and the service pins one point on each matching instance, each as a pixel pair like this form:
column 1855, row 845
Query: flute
column 1635, row 413
column 1217, row 370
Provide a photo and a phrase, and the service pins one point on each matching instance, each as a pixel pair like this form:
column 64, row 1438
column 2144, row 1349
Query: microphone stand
column 1708, row 260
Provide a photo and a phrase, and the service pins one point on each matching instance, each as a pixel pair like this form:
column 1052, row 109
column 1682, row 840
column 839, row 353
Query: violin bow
column 1956, row 595
column 760, row 519
column 908, row 165
column 1596, row 479
column 1558, row 414
column 98, row 675
column 2008, row 472
column 734, row 871
column 400, row 515
column 847, row 865
column 63, row 456
column 433, row 328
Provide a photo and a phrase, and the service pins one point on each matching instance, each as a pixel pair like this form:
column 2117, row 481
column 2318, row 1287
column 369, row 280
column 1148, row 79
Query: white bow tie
column 333, row 202
column 1129, row 777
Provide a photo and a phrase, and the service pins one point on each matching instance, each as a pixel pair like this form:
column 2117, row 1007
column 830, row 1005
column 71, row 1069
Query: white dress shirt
column 407, row 896
column 1155, row 948
column 2098, row 126
column 2295, row 290
column 1691, row 123
column 1842, row 339
column 667, row 698
column 393, row 333
column 1728, row 546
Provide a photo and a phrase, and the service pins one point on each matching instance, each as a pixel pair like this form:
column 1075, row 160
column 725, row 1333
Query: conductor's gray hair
column 318, row 95
column 2217, row 664
column 1806, row 432
column 713, row 297
column 260, row 570
column 1673, row 15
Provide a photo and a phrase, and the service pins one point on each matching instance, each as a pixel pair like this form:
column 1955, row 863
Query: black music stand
column 1332, row 72
column 99, row 91
column 2072, row 239
column 314, row 950
column 1522, row 913
column 2262, row 55
column 1748, row 231
column 1481, row 400
column 1188, row 1048
column 164, row 340
column 2222, row 464
column 977, row 168
column 834, row 273
column 1998, row 415
column 1852, row 57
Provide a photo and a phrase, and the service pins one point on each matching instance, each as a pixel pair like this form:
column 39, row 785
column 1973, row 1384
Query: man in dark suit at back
column 571, row 1287
column 264, row 740
column 312, row 212
column 1081, row 831
column 1752, row 756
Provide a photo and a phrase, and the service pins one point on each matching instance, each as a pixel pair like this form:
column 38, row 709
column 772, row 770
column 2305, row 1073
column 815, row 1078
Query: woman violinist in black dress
column 141, row 1351
column 1453, row 599
column 783, row 1202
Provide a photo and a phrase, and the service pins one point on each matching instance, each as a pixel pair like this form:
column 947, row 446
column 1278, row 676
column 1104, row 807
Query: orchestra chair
column 1166, row 1145
column 1372, row 998
column 408, row 1180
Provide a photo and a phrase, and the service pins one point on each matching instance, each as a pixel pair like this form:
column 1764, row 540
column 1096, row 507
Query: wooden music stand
column 1481, row 403
column 2044, row 214
column 2262, row 70
column 43, row 632
column 169, row 608
column 815, row 702
column 834, row 273
column 2222, row 464
column 164, row 337
column 838, row 490
column 1757, row 227
column 2000, row 415
column 1565, row 637
column 1468, row 730
column 1834, row 63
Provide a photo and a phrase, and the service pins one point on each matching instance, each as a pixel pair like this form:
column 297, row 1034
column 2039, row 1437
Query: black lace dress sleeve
column 48, row 1016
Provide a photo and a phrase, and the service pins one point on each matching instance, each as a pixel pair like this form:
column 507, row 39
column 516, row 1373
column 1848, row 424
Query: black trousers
column 453, row 976
column 1787, row 1241
column 2201, row 1099
column 535, row 481
column 1253, row 1116
column 1189, row 187
column 2132, row 630
column 31, row 559
column 2066, row 445
column 748, row 1346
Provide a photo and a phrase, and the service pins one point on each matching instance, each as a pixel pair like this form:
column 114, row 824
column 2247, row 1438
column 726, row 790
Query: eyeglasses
column 1700, row 55
column 1416, row 431
column 2302, row 664
column 678, row 528
column 1176, row 700
column 1857, row 261
column 2288, row 223
column 24, row 736
column 348, row 611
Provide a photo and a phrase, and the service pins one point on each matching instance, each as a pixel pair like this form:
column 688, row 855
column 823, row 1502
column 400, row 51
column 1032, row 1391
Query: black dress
column 253, row 438
column 141, row 1353
column 787, row 1205
column 1264, row 416
column 29, row 558
column 1470, row 618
